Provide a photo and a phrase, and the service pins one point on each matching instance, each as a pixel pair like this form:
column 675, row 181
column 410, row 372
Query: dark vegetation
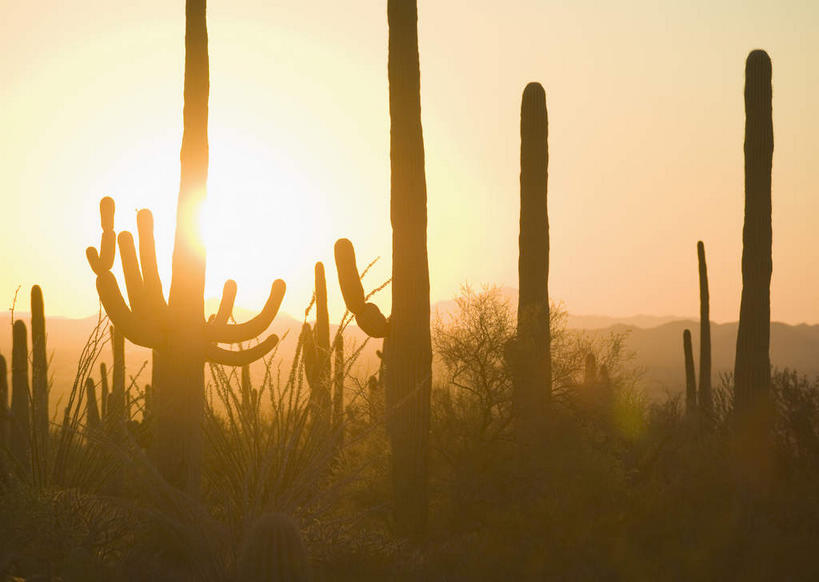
column 528, row 454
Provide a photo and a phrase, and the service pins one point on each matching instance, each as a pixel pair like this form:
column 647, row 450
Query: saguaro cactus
column 530, row 351
column 316, row 346
column 92, row 411
column 407, row 345
column 690, row 380
column 177, row 332
column 39, row 369
column 705, row 400
column 103, row 390
column 20, row 405
column 752, row 369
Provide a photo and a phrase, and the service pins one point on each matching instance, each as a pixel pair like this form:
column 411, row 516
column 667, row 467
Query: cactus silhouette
column 752, row 368
column 529, row 352
column 316, row 346
column 20, row 394
column 92, row 411
column 273, row 550
column 103, row 390
column 176, row 330
column 690, row 380
column 407, row 350
column 705, row 399
column 39, row 370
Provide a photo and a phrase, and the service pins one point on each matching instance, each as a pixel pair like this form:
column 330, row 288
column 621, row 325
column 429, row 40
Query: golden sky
column 646, row 127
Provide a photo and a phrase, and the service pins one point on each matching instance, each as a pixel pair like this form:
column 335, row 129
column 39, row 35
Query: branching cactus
column 407, row 344
column 705, row 399
column 752, row 368
column 20, row 405
column 39, row 370
column 176, row 330
column 690, row 380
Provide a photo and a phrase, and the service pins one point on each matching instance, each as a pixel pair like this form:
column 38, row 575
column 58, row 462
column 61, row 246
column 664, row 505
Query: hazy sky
column 645, row 136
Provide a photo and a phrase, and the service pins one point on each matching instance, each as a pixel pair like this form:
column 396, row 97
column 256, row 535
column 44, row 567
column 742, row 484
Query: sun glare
column 261, row 217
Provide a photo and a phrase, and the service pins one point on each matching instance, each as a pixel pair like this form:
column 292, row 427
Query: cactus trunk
column 39, row 370
column 408, row 348
column 532, row 382
column 20, row 405
column 92, row 411
column 752, row 373
column 704, row 397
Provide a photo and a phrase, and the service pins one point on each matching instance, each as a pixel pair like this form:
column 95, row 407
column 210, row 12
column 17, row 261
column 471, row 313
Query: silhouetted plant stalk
column 407, row 350
column 92, row 413
column 176, row 331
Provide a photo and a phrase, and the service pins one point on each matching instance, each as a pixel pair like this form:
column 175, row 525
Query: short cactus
column 92, row 411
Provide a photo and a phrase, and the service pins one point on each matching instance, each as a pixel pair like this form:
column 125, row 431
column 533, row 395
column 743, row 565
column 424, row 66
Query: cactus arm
column 348, row 277
column 130, row 268
column 217, row 355
column 104, row 259
column 226, row 304
column 152, row 285
column 308, row 345
column 235, row 333
column 367, row 315
column 132, row 326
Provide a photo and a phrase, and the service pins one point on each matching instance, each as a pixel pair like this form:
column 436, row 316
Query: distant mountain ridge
column 655, row 340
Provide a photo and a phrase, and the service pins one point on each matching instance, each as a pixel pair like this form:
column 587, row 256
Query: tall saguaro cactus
column 407, row 345
column 705, row 399
column 530, row 351
column 752, row 374
column 177, row 331
column 39, row 369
